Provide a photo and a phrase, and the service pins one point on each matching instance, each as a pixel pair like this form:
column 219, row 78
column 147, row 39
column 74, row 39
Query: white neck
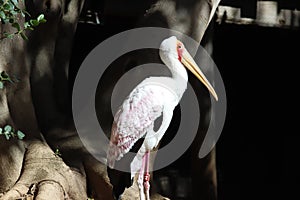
column 179, row 75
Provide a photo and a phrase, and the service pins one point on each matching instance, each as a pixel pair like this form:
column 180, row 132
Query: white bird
column 152, row 98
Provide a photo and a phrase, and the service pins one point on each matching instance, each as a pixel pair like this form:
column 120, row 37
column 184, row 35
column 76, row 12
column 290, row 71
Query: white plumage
column 133, row 119
column 154, row 97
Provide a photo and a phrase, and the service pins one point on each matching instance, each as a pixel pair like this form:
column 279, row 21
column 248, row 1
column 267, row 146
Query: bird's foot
column 146, row 182
column 147, row 176
column 147, row 185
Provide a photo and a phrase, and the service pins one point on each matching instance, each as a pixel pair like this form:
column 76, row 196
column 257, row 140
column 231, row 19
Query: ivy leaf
column 15, row 1
column 4, row 75
column 23, row 36
column 2, row 15
column 7, row 136
column 20, row 135
column 11, row 20
column 40, row 17
column 24, row 12
column 5, row 20
column 10, row 13
column 17, row 26
column 57, row 153
column 1, row 131
column 8, row 6
column 34, row 22
column 1, row 87
column 10, row 36
column 26, row 25
column 8, row 128
column 13, row 12
column 42, row 21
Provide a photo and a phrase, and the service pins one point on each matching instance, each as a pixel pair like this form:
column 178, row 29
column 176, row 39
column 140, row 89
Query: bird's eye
column 179, row 50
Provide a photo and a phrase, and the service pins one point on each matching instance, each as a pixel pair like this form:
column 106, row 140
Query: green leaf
column 10, row 36
column 15, row 2
column 40, row 17
column 43, row 21
column 13, row 12
column 4, row 75
column 23, row 36
column 5, row 20
column 17, row 26
column 12, row 134
column 34, row 22
column 2, row 15
column 7, row 136
column 5, row 34
column 8, row 128
column 26, row 25
column 1, row 131
column 1, row 87
column 8, row 6
column 57, row 153
column 11, row 20
column 20, row 135
column 24, row 12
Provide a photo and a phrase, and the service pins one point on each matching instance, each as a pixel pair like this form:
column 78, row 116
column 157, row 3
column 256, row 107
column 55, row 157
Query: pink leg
column 147, row 175
column 140, row 180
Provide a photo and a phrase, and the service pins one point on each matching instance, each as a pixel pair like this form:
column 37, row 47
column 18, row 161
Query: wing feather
column 132, row 121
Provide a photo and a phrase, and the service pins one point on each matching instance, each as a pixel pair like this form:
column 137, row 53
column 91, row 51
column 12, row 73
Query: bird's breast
column 163, row 89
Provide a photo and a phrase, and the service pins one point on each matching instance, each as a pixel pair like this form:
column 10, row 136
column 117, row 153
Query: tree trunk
column 39, row 106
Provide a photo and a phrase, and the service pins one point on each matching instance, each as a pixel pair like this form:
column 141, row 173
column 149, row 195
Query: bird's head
column 171, row 48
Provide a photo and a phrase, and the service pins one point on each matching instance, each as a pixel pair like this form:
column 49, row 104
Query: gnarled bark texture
column 39, row 105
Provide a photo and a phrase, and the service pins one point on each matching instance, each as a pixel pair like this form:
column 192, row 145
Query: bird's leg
column 147, row 176
column 140, row 180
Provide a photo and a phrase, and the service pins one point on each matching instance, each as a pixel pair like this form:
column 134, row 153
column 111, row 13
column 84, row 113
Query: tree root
column 98, row 180
column 45, row 176
column 132, row 193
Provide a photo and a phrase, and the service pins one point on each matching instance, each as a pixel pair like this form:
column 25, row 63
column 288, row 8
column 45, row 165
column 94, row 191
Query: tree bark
column 39, row 105
column 190, row 17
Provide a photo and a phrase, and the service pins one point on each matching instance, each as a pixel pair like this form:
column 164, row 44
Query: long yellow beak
column 189, row 63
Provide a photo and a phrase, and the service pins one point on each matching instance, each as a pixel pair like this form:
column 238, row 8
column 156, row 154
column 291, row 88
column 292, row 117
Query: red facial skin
column 180, row 50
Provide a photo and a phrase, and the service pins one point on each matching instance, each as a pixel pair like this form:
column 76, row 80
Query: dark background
column 258, row 151
column 257, row 154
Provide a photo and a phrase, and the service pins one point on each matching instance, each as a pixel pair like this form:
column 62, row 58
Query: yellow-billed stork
column 152, row 98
